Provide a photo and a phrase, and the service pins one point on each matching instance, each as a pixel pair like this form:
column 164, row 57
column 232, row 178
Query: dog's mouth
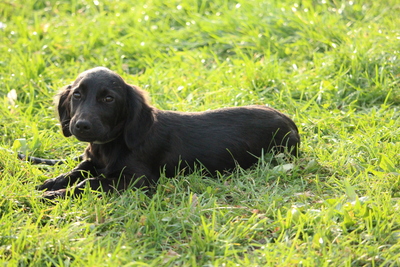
column 103, row 142
column 94, row 139
column 83, row 138
column 96, row 135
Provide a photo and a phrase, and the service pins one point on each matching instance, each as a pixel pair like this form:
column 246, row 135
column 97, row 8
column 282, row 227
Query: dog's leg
column 83, row 170
column 97, row 183
column 50, row 162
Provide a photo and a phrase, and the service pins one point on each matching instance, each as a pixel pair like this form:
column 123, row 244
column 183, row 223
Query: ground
column 332, row 66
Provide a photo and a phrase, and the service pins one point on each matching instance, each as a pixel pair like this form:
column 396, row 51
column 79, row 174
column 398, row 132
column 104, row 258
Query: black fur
column 130, row 141
column 35, row 160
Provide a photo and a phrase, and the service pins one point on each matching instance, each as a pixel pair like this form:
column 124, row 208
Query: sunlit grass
column 332, row 66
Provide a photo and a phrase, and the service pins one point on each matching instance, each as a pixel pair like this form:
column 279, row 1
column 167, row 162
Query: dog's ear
column 140, row 117
column 64, row 109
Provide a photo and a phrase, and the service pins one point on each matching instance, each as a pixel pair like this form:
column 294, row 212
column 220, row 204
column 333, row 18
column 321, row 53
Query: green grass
column 332, row 66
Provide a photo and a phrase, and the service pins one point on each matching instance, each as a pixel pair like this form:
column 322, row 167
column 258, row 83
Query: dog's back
column 220, row 139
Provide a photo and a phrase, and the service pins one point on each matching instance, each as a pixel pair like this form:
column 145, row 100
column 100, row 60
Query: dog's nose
column 83, row 126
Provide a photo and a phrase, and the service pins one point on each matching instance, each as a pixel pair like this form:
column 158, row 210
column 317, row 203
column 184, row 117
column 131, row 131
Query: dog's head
column 99, row 106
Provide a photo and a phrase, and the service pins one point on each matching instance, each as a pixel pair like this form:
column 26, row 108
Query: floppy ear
column 64, row 110
column 140, row 117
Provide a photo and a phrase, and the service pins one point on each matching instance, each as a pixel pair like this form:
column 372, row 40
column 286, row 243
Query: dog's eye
column 108, row 99
column 77, row 95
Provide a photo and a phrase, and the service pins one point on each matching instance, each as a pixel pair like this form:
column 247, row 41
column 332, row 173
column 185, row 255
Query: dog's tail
column 51, row 162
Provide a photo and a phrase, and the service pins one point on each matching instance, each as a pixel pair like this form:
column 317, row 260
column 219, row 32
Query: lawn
column 331, row 65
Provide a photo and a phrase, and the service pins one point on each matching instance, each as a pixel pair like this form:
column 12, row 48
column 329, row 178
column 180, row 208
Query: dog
column 132, row 142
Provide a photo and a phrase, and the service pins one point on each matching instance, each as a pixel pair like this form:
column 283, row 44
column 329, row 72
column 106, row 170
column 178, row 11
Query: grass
column 332, row 66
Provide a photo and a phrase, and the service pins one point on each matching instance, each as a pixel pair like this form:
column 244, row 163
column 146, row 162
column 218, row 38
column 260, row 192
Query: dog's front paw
column 54, row 184
column 62, row 193
column 47, row 185
column 50, row 195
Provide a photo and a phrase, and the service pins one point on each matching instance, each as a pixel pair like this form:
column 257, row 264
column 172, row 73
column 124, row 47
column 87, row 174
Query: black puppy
column 131, row 141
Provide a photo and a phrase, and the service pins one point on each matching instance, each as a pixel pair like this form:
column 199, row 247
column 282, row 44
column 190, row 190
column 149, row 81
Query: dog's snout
column 83, row 126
